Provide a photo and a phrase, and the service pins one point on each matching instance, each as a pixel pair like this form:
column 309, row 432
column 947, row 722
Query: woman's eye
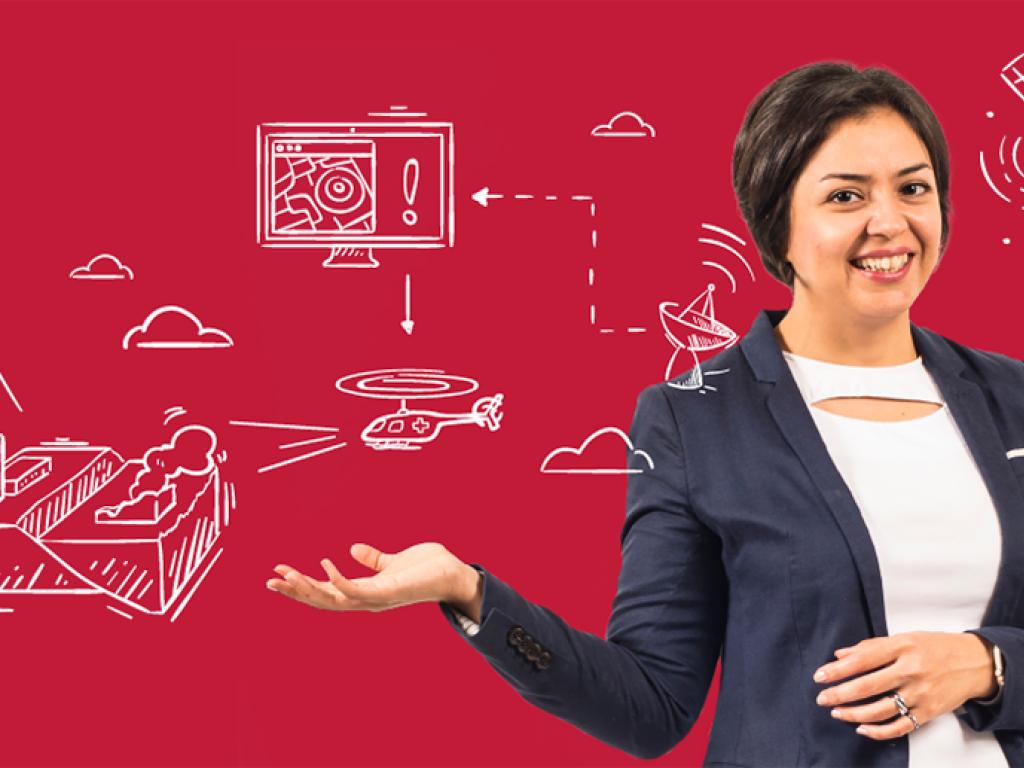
column 834, row 197
column 924, row 187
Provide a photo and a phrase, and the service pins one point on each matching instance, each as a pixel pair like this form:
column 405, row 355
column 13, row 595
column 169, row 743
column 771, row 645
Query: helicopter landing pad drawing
column 410, row 429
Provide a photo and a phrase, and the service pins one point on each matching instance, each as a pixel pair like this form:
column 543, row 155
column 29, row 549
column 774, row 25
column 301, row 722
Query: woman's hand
column 422, row 573
column 934, row 672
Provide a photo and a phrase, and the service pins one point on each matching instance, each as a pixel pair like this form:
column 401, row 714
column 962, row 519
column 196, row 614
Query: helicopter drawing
column 409, row 429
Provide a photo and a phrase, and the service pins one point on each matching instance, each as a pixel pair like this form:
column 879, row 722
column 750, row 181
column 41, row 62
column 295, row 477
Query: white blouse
column 930, row 516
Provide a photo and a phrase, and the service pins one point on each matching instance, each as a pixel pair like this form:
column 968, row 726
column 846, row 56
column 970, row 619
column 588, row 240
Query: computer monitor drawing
column 355, row 187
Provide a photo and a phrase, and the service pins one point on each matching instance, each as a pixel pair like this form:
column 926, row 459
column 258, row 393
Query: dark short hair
column 791, row 118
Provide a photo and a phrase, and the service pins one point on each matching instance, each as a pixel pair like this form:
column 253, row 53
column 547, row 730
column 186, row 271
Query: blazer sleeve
column 1007, row 713
column 641, row 687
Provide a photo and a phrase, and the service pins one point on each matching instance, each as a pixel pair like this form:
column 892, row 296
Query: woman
column 873, row 452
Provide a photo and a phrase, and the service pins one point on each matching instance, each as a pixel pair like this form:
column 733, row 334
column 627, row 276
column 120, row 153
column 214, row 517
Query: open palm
column 421, row 573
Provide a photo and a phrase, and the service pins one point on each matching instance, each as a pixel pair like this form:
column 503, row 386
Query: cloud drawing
column 173, row 327
column 600, row 454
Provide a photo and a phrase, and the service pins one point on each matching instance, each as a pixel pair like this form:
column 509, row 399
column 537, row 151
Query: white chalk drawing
column 1009, row 158
column 9, row 392
column 77, row 518
column 331, row 438
column 728, row 247
column 357, row 187
column 1013, row 75
column 599, row 454
column 106, row 266
column 408, row 323
column 1015, row 453
column 625, row 125
column 173, row 327
column 172, row 413
column 693, row 329
column 410, row 429
column 484, row 195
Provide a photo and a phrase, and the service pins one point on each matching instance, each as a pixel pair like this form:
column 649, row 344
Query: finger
column 366, row 591
column 309, row 591
column 862, row 687
column 349, row 588
column 865, row 656
column 334, row 576
column 370, row 557
column 878, row 710
column 901, row 726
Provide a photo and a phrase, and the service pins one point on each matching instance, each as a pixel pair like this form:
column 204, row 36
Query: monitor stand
column 349, row 256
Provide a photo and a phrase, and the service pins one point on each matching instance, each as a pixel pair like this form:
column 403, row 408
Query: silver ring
column 901, row 705
column 913, row 719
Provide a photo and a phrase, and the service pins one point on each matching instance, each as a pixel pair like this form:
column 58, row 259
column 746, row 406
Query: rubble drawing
column 600, row 454
column 353, row 188
column 174, row 327
column 103, row 267
column 411, row 428
column 625, row 125
column 77, row 518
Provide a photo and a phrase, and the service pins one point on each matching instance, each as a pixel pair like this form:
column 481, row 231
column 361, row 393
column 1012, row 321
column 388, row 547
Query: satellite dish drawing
column 693, row 330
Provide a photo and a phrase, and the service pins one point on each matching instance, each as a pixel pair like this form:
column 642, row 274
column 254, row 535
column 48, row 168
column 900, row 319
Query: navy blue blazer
column 745, row 541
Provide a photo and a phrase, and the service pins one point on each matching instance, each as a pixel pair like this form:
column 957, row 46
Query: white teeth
column 888, row 264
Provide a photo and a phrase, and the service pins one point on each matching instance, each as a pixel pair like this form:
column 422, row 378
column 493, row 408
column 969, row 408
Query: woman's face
column 870, row 187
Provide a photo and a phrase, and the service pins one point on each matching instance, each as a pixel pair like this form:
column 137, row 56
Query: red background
column 130, row 129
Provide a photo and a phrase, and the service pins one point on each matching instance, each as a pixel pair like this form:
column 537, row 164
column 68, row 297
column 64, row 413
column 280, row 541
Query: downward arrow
column 408, row 323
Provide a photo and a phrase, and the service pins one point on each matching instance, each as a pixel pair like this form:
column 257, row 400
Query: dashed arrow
column 484, row 195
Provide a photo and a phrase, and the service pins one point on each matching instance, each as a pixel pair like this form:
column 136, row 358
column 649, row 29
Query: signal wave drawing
column 726, row 247
column 1008, row 161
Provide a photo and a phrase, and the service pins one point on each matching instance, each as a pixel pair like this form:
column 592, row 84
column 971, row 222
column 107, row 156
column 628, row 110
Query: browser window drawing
column 355, row 187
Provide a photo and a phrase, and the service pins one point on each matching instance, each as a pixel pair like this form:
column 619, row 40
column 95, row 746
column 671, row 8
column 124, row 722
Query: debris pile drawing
column 78, row 518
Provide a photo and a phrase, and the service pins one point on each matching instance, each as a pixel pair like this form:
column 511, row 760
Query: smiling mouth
column 890, row 264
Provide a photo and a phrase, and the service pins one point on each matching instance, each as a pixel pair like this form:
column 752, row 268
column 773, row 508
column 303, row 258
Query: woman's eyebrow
column 863, row 177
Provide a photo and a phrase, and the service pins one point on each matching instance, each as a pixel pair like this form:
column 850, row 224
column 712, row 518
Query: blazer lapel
column 969, row 408
column 967, row 405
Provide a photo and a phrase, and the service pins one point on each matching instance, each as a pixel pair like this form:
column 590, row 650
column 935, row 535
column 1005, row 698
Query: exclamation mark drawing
column 410, row 181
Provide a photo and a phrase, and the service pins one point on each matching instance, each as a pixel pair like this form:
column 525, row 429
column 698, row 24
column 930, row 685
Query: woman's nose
column 886, row 218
